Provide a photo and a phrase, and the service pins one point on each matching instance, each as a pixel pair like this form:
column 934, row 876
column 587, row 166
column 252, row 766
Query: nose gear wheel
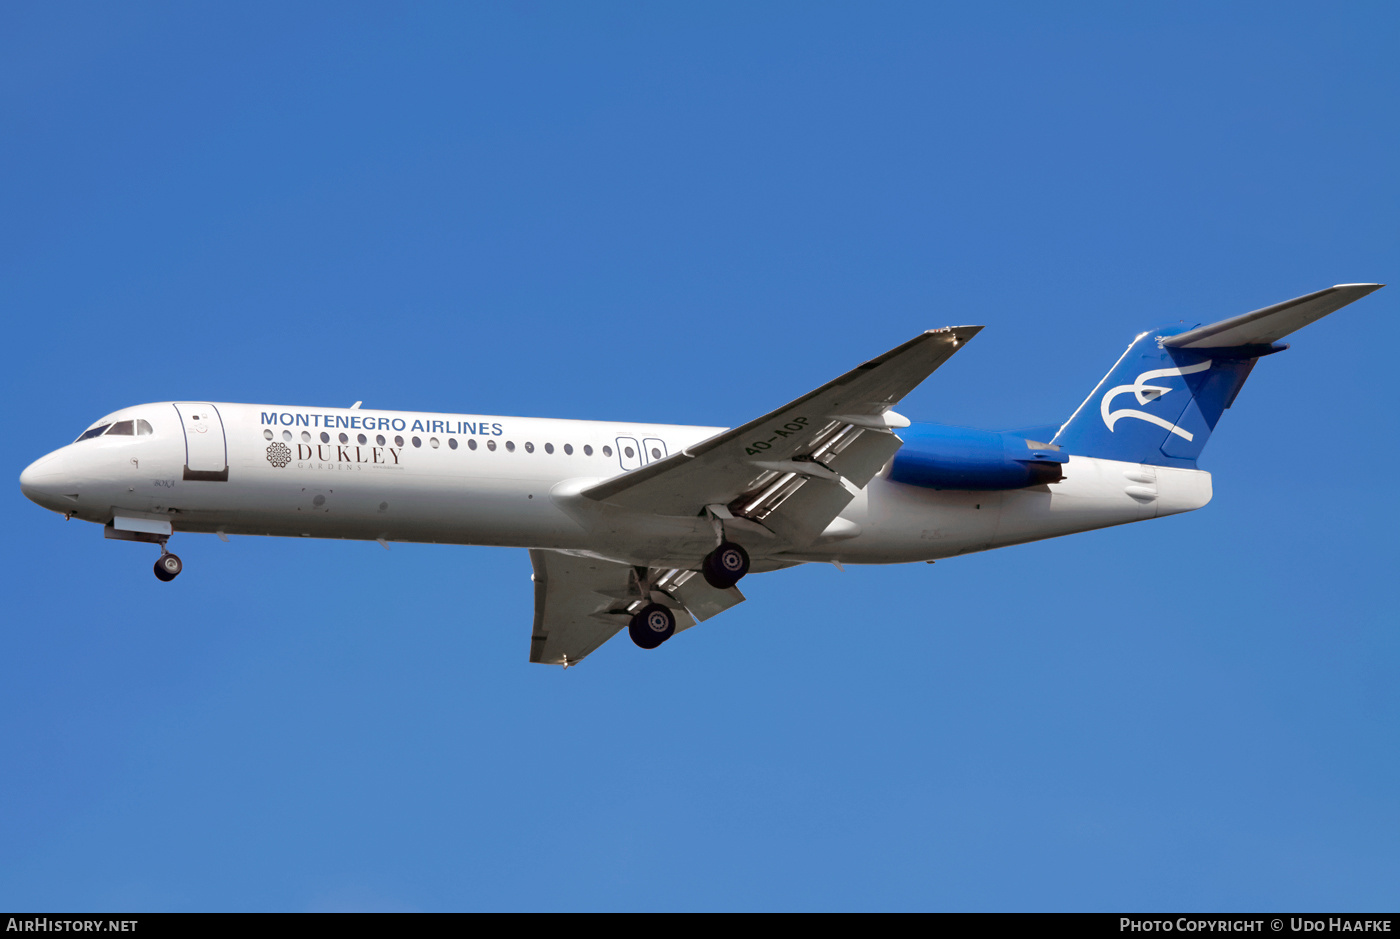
column 168, row 567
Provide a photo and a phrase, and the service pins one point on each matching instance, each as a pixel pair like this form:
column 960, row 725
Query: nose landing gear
column 169, row 566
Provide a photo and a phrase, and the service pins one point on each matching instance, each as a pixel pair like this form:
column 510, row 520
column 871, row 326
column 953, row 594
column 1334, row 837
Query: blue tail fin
column 1161, row 400
column 1157, row 404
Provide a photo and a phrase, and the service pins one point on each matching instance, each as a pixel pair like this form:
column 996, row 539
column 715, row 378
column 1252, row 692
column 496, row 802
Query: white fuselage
column 510, row 481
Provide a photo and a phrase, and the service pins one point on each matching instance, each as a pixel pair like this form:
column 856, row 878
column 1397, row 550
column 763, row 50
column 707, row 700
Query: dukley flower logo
column 279, row 455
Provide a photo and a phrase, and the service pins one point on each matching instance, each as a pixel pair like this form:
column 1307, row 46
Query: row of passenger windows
column 433, row 442
column 134, row 428
column 140, row 427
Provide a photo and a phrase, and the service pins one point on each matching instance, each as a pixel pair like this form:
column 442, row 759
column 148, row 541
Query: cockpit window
column 137, row 427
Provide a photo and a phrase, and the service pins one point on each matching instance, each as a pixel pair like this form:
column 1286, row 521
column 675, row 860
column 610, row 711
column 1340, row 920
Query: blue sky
column 692, row 214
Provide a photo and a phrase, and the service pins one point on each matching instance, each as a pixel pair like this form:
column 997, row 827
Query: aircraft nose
column 43, row 482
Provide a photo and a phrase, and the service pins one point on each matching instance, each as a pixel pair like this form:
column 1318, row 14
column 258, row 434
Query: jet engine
column 936, row 456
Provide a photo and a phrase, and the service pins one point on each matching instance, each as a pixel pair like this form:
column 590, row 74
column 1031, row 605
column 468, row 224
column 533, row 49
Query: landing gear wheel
column 168, row 567
column 725, row 566
column 652, row 625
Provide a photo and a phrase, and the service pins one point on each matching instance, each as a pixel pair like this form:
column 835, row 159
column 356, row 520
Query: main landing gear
column 725, row 566
column 169, row 566
column 652, row 625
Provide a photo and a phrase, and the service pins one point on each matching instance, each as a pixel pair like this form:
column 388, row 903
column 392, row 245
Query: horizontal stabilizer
column 1272, row 323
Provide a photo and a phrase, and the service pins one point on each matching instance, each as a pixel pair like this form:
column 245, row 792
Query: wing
column 581, row 602
column 787, row 475
column 794, row 469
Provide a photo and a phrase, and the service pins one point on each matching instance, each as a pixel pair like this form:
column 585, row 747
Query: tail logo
column 1146, row 393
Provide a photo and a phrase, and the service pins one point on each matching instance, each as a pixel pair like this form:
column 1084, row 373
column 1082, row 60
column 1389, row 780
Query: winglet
column 1271, row 323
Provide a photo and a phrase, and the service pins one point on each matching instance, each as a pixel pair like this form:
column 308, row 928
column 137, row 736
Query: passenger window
column 471, row 443
column 529, row 447
column 653, row 448
column 123, row 429
column 267, row 435
column 379, row 440
column 549, row 448
column 627, row 453
column 587, row 449
column 490, row 444
column 452, row 442
column 569, row 449
column 433, row 442
column 360, row 439
column 287, row 436
column 325, row 437
column 416, row 442
column 306, row 436
column 607, row 451
column 510, row 446
column 344, row 438
column 143, row 428
column 398, row 441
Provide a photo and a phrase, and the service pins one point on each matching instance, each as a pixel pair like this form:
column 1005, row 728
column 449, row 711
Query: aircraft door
column 206, row 447
column 629, row 452
column 653, row 449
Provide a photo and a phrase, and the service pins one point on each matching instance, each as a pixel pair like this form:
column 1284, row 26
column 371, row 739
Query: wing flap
column 702, row 600
column 863, row 457
column 801, row 515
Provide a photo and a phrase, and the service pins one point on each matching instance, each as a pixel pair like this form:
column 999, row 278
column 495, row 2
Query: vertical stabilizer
column 1157, row 404
column 1162, row 399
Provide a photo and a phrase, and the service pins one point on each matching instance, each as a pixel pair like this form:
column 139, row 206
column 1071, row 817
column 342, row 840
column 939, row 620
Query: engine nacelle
column 936, row 456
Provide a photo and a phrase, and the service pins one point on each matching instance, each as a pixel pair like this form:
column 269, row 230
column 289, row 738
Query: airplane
column 652, row 526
